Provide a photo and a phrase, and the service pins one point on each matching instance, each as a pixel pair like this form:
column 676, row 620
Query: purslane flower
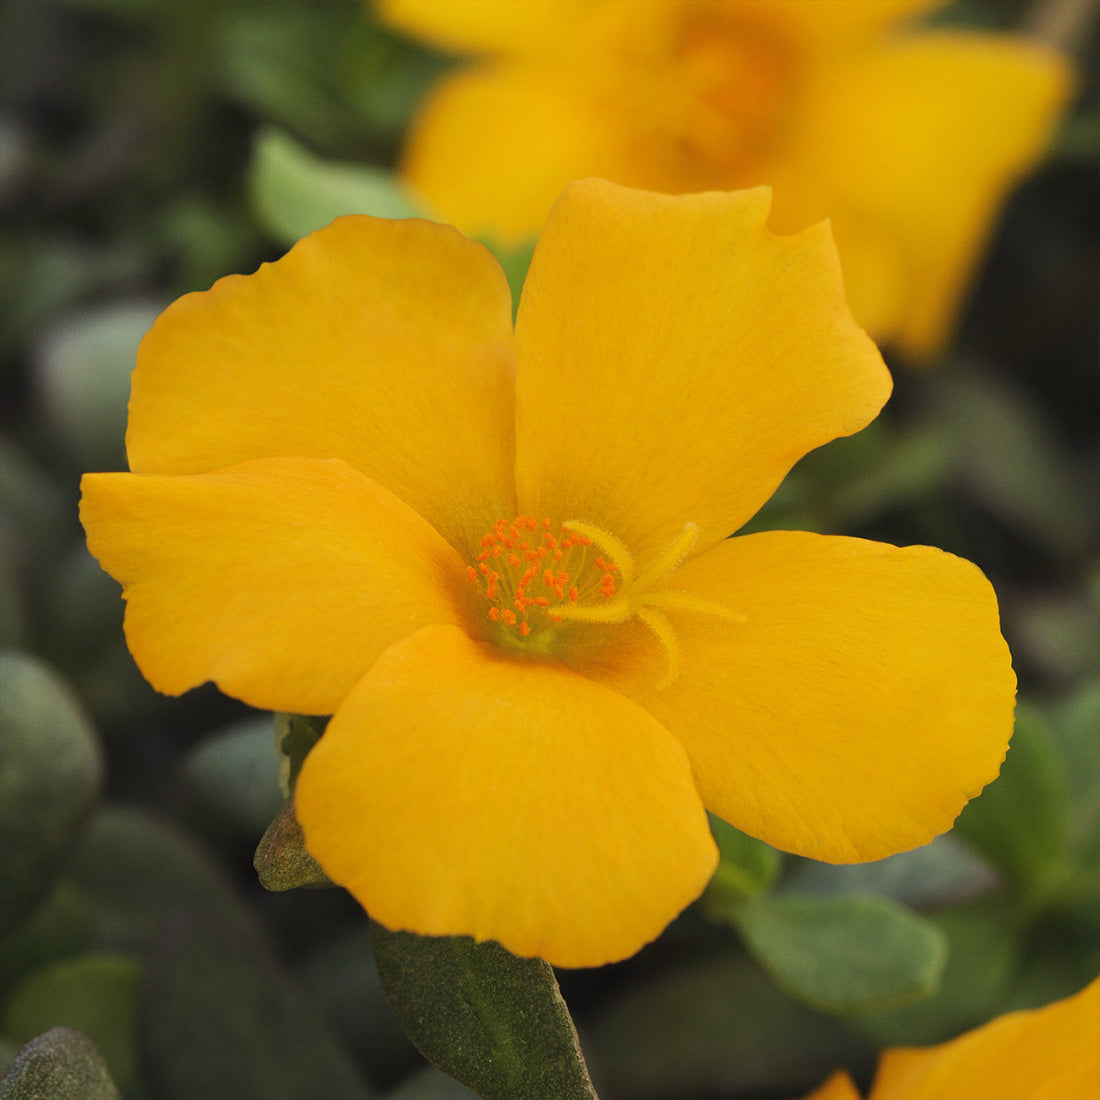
column 500, row 560
column 1050, row 1053
column 907, row 138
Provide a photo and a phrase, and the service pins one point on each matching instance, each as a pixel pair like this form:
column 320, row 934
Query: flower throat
column 529, row 572
column 535, row 576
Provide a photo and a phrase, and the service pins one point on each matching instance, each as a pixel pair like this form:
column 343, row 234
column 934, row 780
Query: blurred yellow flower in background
column 908, row 139
column 500, row 560
column 1050, row 1053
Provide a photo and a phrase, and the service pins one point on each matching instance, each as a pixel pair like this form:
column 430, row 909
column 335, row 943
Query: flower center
column 530, row 570
column 536, row 575
column 710, row 98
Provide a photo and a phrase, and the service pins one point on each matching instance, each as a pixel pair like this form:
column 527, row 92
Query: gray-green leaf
column 221, row 1021
column 984, row 951
column 281, row 858
column 495, row 1022
column 713, row 1026
column 942, row 872
column 61, row 1064
column 295, row 735
column 844, row 954
column 230, row 781
column 83, row 372
column 94, row 993
column 50, row 774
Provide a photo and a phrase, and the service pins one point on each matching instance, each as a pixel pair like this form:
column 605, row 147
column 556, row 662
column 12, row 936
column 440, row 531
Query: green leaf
column 206, row 238
column 221, row 1021
column 62, row 924
column 8, row 1051
column 138, row 871
column 984, row 948
column 295, row 735
column 384, row 75
column 515, row 262
column 84, row 363
column 1056, row 965
column 495, row 1022
column 281, row 859
column 95, row 994
column 907, row 468
column 50, row 775
column 1011, row 458
column 340, row 977
column 941, row 872
column 79, row 615
column 746, row 867
column 1076, row 718
column 1020, row 821
column 14, row 613
column 280, row 60
column 1057, row 629
column 51, row 270
column 844, row 954
column 230, row 781
column 294, row 192
column 715, row 1026
column 61, row 1064
column 31, row 498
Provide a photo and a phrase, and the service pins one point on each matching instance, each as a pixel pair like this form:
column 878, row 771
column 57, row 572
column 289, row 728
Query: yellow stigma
column 535, row 577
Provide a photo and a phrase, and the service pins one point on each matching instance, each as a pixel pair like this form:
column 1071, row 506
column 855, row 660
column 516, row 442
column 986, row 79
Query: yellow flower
column 346, row 465
column 1050, row 1053
column 907, row 140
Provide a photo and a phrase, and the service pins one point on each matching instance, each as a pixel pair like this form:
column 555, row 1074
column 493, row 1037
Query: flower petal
column 486, row 26
column 838, row 1087
column 922, row 138
column 458, row 792
column 832, row 24
column 281, row 580
column 384, row 343
column 475, row 158
column 865, row 698
column 676, row 359
column 1049, row 1053
column 503, row 27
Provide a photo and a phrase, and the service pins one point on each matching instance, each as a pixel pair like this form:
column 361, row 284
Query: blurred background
column 148, row 149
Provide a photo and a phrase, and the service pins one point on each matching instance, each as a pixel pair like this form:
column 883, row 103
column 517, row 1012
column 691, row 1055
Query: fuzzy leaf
column 493, row 1021
column 50, row 774
column 943, row 872
column 222, row 1021
column 281, row 859
column 94, row 993
column 844, row 954
column 229, row 782
column 712, row 1026
column 60, row 1064
column 137, row 870
column 984, row 952
column 295, row 735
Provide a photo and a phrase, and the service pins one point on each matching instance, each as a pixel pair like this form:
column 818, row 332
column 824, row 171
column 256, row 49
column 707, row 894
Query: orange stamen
column 511, row 573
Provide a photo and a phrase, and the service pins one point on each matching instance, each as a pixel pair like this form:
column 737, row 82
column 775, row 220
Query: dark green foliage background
column 147, row 149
